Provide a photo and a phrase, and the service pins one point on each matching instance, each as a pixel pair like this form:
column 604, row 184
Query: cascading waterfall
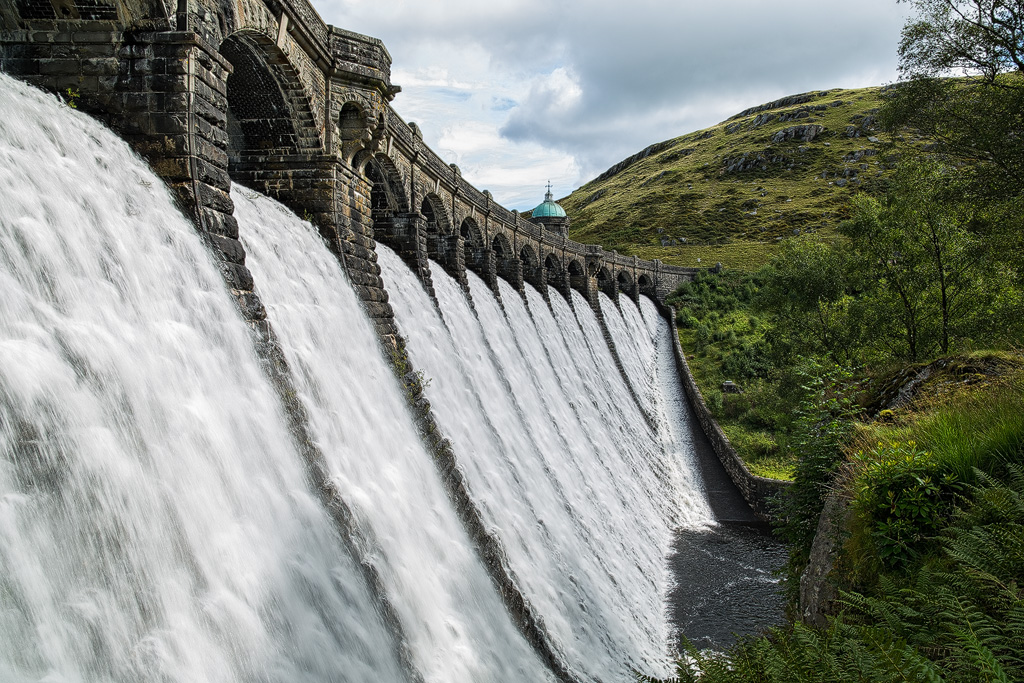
column 644, row 342
column 155, row 519
column 560, row 458
column 455, row 624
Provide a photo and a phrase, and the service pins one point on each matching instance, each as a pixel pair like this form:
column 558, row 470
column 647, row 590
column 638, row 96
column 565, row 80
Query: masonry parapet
column 305, row 24
column 362, row 57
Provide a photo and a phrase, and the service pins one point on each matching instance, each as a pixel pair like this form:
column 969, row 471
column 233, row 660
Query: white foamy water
column 155, row 521
column 158, row 524
column 563, row 464
column 456, row 626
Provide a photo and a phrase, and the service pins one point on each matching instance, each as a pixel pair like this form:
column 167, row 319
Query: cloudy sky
column 519, row 92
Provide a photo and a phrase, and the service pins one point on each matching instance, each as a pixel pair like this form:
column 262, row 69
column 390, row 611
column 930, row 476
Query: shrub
column 904, row 497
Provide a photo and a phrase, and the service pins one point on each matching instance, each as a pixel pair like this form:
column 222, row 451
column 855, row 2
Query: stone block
column 214, row 198
column 49, row 67
column 230, row 249
column 251, row 306
column 169, row 124
column 171, row 168
column 212, row 174
column 161, row 146
column 379, row 310
column 236, row 276
column 218, row 223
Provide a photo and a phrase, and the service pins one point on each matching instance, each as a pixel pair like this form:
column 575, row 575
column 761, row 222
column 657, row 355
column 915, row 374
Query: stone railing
column 308, row 20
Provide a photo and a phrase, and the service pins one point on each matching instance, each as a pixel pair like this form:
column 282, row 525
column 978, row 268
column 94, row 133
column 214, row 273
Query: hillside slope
column 783, row 168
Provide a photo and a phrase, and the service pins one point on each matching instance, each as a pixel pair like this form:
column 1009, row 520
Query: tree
column 983, row 37
column 979, row 118
column 922, row 248
column 806, row 291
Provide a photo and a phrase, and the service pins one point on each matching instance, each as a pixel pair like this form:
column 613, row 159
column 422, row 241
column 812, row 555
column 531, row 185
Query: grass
column 733, row 182
column 724, row 340
column 736, row 255
column 966, row 423
column 760, row 451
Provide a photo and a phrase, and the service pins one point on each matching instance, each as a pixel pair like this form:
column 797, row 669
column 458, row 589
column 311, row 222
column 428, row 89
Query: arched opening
column 436, row 228
column 553, row 270
column 577, row 277
column 606, row 283
column 507, row 266
column 528, row 257
column 625, row 283
column 501, row 247
column 646, row 287
column 436, row 217
column 532, row 270
column 259, row 120
column 267, row 110
column 387, row 191
column 473, row 248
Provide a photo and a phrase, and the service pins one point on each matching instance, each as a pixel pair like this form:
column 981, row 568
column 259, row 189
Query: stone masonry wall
column 759, row 492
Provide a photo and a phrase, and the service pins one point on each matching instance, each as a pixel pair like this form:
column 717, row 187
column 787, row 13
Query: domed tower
column 551, row 215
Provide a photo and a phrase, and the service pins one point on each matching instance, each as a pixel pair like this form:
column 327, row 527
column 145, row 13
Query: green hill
column 732, row 192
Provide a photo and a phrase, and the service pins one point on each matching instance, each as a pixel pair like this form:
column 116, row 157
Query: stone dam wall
column 264, row 93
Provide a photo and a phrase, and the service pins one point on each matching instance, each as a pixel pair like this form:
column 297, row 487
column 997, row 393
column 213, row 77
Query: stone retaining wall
column 759, row 492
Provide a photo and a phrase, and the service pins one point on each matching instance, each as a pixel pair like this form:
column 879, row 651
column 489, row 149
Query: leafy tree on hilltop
column 977, row 119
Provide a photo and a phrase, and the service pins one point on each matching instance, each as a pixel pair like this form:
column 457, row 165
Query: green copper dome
column 549, row 209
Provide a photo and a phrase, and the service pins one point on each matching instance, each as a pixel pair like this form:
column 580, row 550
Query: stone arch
column 533, row 269
column 645, row 285
column 433, row 211
column 268, row 113
column 501, row 246
column 436, row 227
column 577, row 276
column 606, row 283
column 387, row 194
column 624, row 281
column 471, row 233
column 506, row 261
column 555, row 275
column 474, row 249
column 552, row 267
column 528, row 256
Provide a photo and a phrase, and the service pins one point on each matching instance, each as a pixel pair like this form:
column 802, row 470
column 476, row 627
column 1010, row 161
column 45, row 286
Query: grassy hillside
column 731, row 192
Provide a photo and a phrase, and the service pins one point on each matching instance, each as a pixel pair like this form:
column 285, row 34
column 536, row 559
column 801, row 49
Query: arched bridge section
column 264, row 93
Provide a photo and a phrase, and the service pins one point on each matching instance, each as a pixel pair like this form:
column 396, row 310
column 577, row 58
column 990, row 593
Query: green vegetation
column 741, row 186
column 717, row 321
column 881, row 364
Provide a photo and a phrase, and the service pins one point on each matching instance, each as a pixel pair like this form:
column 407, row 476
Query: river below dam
column 158, row 523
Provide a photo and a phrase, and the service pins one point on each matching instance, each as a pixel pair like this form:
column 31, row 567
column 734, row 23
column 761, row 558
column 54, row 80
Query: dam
column 282, row 397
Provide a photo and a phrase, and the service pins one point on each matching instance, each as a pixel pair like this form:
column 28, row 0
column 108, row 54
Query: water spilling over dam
column 160, row 519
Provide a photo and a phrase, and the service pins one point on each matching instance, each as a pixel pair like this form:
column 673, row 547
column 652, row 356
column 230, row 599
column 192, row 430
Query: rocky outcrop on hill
column 790, row 101
column 806, row 133
column 626, row 163
column 751, row 161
